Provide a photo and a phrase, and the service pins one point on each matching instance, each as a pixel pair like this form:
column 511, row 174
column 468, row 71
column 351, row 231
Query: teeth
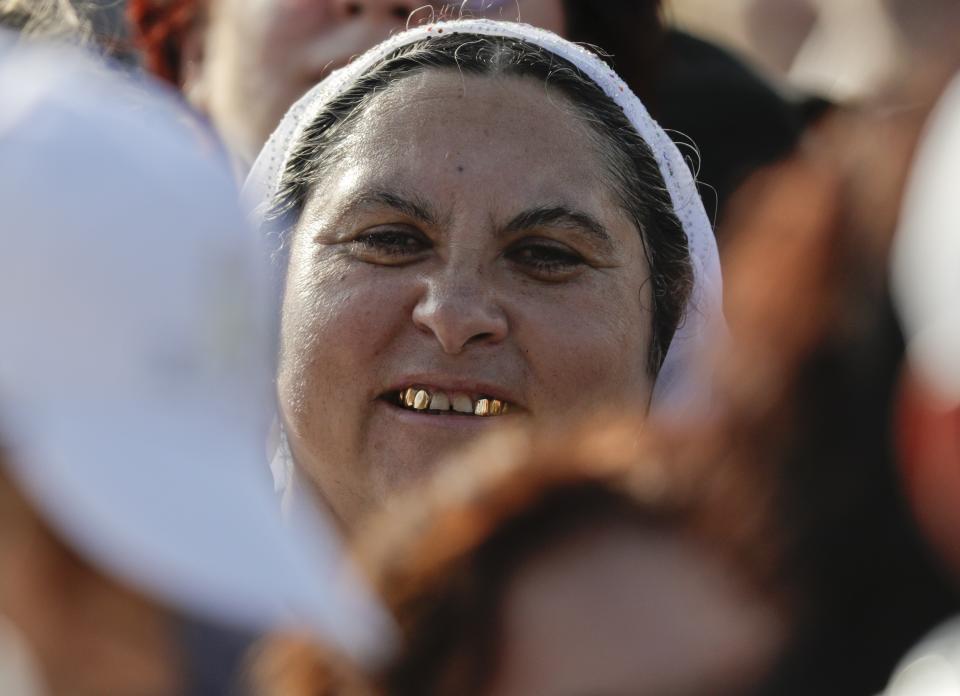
column 421, row 401
column 439, row 402
column 462, row 403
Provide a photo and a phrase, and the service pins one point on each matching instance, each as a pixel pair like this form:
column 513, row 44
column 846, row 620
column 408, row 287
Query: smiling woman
column 475, row 220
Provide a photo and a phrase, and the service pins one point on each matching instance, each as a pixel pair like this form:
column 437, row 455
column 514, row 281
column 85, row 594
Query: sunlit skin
column 465, row 239
column 88, row 634
column 252, row 59
column 626, row 612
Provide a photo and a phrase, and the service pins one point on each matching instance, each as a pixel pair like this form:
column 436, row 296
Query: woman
column 432, row 273
column 574, row 565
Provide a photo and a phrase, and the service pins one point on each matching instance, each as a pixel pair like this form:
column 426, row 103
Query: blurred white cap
column 932, row 668
column 136, row 356
column 926, row 254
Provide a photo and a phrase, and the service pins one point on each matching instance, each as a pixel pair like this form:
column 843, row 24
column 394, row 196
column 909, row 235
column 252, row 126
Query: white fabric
column 136, row 357
column 926, row 254
column 932, row 668
column 676, row 388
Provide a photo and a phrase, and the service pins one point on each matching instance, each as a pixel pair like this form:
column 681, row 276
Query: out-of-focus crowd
column 480, row 348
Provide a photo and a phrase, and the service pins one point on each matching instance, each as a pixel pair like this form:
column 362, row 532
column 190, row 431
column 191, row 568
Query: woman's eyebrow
column 412, row 206
column 563, row 217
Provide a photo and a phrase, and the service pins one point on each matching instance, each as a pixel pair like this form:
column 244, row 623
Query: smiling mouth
column 440, row 403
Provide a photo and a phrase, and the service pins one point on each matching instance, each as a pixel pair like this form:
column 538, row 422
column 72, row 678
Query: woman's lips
column 457, row 424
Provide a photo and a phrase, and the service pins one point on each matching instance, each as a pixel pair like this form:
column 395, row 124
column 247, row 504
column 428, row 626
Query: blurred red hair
column 159, row 28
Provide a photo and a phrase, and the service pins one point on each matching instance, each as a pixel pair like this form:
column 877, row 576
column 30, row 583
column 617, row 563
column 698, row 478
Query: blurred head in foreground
column 562, row 566
column 134, row 388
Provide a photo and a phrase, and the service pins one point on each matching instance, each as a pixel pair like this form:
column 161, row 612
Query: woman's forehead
column 439, row 128
column 478, row 98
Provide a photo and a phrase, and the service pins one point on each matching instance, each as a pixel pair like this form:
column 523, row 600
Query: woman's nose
column 459, row 314
column 395, row 9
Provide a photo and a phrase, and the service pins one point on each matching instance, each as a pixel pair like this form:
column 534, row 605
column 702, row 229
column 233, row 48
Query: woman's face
column 254, row 58
column 464, row 245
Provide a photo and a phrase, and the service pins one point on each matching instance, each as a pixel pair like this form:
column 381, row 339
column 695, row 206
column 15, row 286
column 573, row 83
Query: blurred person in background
column 91, row 24
column 840, row 51
column 562, row 565
column 242, row 63
column 810, row 386
column 779, row 29
column 437, row 282
column 141, row 545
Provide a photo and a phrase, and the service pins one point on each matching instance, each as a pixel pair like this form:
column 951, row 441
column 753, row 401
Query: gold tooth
column 421, row 401
column 496, row 407
column 482, row 408
column 408, row 397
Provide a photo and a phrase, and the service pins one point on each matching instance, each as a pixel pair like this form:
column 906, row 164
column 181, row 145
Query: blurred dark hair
column 630, row 32
column 634, row 175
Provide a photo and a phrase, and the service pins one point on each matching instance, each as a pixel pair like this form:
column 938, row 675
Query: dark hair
column 635, row 175
column 632, row 32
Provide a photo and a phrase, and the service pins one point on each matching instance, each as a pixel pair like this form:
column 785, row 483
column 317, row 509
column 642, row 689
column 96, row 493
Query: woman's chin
column 409, row 444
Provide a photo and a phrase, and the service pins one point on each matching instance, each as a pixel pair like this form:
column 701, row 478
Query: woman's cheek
column 585, row 348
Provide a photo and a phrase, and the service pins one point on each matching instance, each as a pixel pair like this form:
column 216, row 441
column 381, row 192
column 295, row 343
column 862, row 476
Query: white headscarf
column 674, row 389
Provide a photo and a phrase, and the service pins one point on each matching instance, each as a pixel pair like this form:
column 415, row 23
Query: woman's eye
column 391, row 244
column 547, row 259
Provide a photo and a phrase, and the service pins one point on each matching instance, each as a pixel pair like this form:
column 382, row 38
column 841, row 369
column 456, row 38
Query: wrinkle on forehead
column 527, row 94
column 393, row 124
